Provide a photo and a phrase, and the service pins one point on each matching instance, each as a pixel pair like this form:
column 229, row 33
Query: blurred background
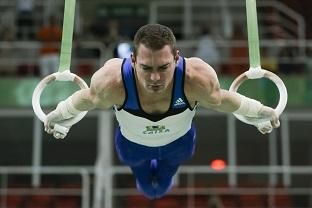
column 233, row 166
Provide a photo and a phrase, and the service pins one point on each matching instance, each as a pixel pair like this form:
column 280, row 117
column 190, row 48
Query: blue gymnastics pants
column 154, row 167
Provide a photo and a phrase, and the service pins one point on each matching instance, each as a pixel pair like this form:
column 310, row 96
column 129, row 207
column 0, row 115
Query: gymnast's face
column 154, row 69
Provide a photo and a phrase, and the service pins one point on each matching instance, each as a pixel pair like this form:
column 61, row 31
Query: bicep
column 211, row 95
column 106, row 85
column 99, row 92
column 205, row 87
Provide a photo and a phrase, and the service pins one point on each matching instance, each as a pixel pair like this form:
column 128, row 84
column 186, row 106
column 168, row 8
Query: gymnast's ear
column 177, row 55
column 132, row 59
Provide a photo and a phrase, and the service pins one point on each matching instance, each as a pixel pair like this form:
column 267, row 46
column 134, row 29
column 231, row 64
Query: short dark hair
column 155, row 37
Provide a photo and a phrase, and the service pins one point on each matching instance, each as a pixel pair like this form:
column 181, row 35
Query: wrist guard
column 248, row 107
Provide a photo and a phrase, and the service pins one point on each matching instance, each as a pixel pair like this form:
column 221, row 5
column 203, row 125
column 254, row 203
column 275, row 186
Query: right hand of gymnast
column 54, row 120
column 51, row 125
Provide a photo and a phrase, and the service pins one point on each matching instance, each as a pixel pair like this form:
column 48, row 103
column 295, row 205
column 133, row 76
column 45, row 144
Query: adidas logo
column 179, row 101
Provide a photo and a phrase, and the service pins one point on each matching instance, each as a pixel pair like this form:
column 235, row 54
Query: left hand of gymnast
column 270, row 114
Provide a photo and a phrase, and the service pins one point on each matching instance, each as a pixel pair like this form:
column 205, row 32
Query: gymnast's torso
column 154, row 129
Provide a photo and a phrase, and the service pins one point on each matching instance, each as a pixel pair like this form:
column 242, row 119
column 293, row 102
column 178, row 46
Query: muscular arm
column 106, row 89
column 202, row 85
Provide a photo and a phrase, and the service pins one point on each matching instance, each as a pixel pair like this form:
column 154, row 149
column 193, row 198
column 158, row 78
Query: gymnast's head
column 154, row 56
column 154, row 37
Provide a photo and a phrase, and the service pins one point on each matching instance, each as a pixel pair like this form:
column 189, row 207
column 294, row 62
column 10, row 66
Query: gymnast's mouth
column 155, row 87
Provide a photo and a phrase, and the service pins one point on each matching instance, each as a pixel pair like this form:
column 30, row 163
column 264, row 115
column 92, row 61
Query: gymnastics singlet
column 154, row 130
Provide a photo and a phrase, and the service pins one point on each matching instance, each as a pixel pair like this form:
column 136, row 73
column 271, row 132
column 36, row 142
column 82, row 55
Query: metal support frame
column 104, row 178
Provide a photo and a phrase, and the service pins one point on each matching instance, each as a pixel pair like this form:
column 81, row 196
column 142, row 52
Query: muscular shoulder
column 200, row 80
column 107, row 84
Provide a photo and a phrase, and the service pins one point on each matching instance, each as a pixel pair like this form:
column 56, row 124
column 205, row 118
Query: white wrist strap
column 67, row 108
column 248, row 107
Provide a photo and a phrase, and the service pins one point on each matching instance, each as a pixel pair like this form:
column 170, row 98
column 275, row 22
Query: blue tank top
column 178, row 104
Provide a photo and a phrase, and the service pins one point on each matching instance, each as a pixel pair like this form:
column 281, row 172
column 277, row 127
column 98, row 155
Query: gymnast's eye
column 163, row 68
column 145, row 67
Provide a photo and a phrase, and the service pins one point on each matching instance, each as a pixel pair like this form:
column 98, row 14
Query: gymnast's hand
column 63, row 111
column 51, row 125
column 270, row 114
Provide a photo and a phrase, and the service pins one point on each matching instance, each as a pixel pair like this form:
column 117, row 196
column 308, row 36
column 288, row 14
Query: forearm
column 233, row 102
column 76, row 103
column 83, row 100
column 230, row 102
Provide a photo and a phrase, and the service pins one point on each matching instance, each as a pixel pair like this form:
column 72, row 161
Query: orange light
column 218, row 164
